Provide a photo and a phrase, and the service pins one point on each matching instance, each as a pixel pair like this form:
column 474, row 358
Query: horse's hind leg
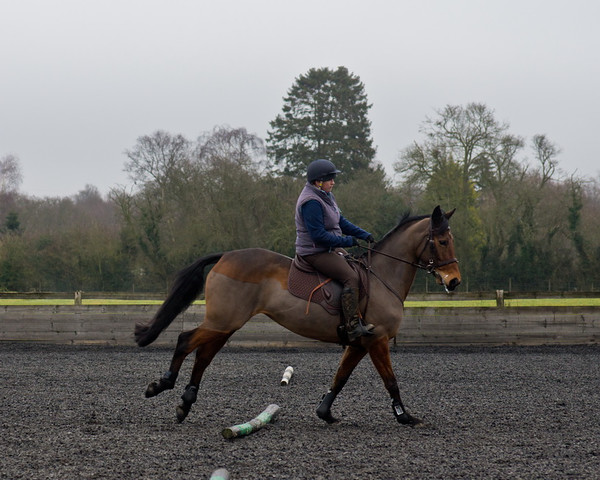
column 208, row 343
column 167, row 381
column 350, row 359
column 380, row 355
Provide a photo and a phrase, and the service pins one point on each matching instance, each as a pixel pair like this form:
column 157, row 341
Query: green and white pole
column 253, row 425
column 220, row 474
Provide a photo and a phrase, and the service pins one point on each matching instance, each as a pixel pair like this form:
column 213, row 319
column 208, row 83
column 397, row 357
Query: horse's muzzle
column 455, row 282
column 448, row 280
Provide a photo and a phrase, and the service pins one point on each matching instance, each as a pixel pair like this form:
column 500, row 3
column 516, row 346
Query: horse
column 243, row 283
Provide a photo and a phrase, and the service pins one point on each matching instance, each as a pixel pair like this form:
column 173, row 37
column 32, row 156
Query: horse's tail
column 187, row 286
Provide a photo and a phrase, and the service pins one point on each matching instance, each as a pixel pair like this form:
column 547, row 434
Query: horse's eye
column 443, row 243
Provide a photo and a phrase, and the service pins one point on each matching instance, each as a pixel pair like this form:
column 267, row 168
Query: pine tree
column 324, row 116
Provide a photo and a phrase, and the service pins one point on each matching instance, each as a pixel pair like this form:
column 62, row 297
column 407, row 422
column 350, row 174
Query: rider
column 320, row 229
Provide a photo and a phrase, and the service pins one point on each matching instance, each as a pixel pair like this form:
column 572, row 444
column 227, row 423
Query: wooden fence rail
column 113, row 325
column 79, row 297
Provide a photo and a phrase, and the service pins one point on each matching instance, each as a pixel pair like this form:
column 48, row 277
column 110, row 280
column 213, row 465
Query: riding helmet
column 321, row 169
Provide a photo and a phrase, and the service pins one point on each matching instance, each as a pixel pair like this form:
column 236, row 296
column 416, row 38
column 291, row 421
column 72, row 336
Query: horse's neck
column 403, row 248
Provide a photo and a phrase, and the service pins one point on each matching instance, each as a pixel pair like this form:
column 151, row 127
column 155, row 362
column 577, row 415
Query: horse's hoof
column 420, row 424
column 403, row 416
column 330, row 419
column 182, row 412
column 327, row 416
column 416, row 422
column 407, row 419
column 152, row 390
column 155, row 388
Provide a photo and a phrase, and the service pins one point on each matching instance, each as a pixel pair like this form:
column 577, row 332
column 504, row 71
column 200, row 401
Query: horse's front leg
column 167, row 381
column 380, row 355
column 350, row 359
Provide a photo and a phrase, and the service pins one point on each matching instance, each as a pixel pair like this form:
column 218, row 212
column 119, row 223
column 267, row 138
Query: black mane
column 405, row 219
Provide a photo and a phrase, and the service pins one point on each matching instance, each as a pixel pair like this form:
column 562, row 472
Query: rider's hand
column 354, row 241
column 370, row 239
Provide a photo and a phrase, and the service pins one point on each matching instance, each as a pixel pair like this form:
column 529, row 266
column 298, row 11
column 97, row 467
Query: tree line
column 520, row 224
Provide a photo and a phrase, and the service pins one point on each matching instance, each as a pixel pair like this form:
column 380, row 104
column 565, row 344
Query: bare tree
column 158, row 158
column 233, row 145
column 545, row 153
column 469, row 137
column 10, row 174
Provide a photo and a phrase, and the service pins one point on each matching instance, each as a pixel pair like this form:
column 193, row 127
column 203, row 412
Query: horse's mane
column 406, row 218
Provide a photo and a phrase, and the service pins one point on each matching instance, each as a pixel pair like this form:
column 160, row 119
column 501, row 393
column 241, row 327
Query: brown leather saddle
column 308, row 284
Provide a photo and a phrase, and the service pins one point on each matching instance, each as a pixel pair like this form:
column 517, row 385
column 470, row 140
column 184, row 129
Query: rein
column 369, row 249
column 429, row 268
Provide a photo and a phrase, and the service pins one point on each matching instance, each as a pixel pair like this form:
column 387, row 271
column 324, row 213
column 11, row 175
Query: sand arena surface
column 73, row 412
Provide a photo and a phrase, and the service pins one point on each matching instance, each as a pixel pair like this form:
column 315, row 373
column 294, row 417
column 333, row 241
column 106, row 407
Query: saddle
column 308, row 284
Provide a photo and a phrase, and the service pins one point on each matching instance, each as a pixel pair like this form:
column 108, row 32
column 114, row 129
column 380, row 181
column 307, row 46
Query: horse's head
column 442, row 262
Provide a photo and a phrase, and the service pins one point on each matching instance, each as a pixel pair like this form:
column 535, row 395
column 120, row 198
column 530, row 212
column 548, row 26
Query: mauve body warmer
column 331, row 219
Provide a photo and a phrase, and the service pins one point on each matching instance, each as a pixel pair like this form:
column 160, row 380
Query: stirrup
column 360, row 331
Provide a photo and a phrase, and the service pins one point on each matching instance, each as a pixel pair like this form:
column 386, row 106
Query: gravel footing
column 74, row 412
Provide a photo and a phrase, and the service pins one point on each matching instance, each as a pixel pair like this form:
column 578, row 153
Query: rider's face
column 326, row 186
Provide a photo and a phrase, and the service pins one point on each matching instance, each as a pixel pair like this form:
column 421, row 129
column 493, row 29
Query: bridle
column 432, row 265
column 429, row 267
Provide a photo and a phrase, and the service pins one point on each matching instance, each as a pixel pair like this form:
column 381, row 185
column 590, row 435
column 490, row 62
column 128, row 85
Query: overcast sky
column 80, row 81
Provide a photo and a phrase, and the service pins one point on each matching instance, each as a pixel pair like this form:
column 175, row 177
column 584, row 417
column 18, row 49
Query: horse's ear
column 437, row 216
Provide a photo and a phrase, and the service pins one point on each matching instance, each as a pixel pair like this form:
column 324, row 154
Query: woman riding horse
column 320, row 227
column 247, row 282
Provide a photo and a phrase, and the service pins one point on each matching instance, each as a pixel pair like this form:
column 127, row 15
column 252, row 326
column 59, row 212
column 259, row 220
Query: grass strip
column 85, row 301
column 521, row 302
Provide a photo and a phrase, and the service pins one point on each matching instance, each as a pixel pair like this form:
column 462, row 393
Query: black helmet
column 321, row 170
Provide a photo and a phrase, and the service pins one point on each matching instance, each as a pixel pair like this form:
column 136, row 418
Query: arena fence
column 496, row 325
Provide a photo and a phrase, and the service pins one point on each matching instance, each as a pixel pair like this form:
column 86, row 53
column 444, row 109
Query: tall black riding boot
column 354, row 327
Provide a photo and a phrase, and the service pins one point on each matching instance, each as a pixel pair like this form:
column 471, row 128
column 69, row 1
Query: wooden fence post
column 500, row 298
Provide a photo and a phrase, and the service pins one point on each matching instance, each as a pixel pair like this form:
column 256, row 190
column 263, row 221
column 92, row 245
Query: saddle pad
column 302, row 282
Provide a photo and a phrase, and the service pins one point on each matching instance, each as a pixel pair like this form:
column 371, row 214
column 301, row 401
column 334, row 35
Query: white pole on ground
column 287, row 375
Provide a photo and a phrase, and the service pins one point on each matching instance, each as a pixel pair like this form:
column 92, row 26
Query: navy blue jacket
column 312, row 213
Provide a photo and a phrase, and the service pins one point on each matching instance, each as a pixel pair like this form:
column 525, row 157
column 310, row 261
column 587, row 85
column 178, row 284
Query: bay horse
column 247, row 282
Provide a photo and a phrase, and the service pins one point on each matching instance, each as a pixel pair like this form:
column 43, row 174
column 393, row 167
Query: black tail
column 187, row 286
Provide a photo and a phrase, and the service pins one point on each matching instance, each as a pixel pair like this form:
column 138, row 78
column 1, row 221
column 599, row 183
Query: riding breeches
column 335, row 266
